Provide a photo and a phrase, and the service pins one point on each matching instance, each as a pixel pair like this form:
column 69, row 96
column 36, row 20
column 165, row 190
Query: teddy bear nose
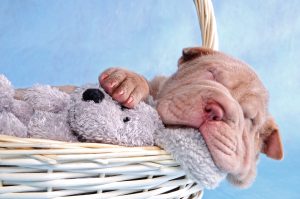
column 93, row 94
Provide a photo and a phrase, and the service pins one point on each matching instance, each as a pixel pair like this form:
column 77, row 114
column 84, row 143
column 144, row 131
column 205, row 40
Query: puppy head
column 227, row 102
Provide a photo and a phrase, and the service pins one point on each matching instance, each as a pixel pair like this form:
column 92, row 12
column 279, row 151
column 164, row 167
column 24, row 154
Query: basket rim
column 4, row 139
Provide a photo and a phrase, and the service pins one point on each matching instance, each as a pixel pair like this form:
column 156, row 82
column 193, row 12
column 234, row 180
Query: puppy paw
column 124, row 86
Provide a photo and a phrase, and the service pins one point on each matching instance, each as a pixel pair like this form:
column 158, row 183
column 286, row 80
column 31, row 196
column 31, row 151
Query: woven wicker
column 36, row 168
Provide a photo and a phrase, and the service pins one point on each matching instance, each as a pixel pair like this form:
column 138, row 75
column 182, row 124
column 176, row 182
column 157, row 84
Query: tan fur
column 19, row 93
column 156, row 84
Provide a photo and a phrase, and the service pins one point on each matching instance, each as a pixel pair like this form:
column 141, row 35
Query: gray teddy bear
column 90, row 115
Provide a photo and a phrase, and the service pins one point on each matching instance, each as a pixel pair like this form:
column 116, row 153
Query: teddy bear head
column 96, row 117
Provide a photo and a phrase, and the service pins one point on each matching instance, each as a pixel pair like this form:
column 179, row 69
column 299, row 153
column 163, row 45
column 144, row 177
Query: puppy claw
column 112, row 84
column 103, row 76
column 130, row 99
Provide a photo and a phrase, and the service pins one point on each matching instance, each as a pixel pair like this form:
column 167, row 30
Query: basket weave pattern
column 36, row 168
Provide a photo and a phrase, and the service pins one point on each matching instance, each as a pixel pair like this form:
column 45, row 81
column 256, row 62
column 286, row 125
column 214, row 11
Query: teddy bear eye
column 126, row 119
column 123, row 108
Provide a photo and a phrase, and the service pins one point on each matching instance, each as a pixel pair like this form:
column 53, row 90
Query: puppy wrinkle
column 229, row 144
column 223, row 147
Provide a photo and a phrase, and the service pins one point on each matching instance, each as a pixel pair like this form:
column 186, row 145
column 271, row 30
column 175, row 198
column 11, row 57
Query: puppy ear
column 189, row 54
column 271, row 141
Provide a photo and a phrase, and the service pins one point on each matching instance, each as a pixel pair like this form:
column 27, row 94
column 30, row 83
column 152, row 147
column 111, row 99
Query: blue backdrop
column 70, row 42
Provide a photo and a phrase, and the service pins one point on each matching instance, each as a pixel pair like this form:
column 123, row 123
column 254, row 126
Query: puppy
column 217, row 94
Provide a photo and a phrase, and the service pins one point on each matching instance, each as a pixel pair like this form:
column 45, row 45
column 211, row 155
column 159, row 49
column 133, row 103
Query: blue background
column 70, row 42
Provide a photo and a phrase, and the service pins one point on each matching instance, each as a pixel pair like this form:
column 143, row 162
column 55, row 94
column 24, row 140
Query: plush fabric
column 11, row 125
column 6, row 93
column 189, row 149
column 22, row 110
column 53, row 126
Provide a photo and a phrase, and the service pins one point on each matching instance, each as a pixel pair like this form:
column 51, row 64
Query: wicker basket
column 36, row 168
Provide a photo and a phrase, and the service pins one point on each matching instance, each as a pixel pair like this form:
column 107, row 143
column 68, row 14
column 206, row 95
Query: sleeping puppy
column 217, row 94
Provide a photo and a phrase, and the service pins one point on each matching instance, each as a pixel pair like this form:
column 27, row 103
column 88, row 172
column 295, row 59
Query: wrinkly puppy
column 217, row 94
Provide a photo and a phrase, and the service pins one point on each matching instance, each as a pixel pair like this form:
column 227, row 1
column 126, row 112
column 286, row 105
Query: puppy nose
column 214, row 112
column 93, row 94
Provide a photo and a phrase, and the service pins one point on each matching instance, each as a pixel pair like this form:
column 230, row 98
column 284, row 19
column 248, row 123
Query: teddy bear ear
column 189, row 54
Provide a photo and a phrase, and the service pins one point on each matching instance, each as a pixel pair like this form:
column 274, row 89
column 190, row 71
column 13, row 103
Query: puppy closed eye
column 250, row 116
column 251, row 123
column 249, row 113
column 252, row 120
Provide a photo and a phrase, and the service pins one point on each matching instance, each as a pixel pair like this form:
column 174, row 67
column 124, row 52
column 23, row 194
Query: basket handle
column 207, row 22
